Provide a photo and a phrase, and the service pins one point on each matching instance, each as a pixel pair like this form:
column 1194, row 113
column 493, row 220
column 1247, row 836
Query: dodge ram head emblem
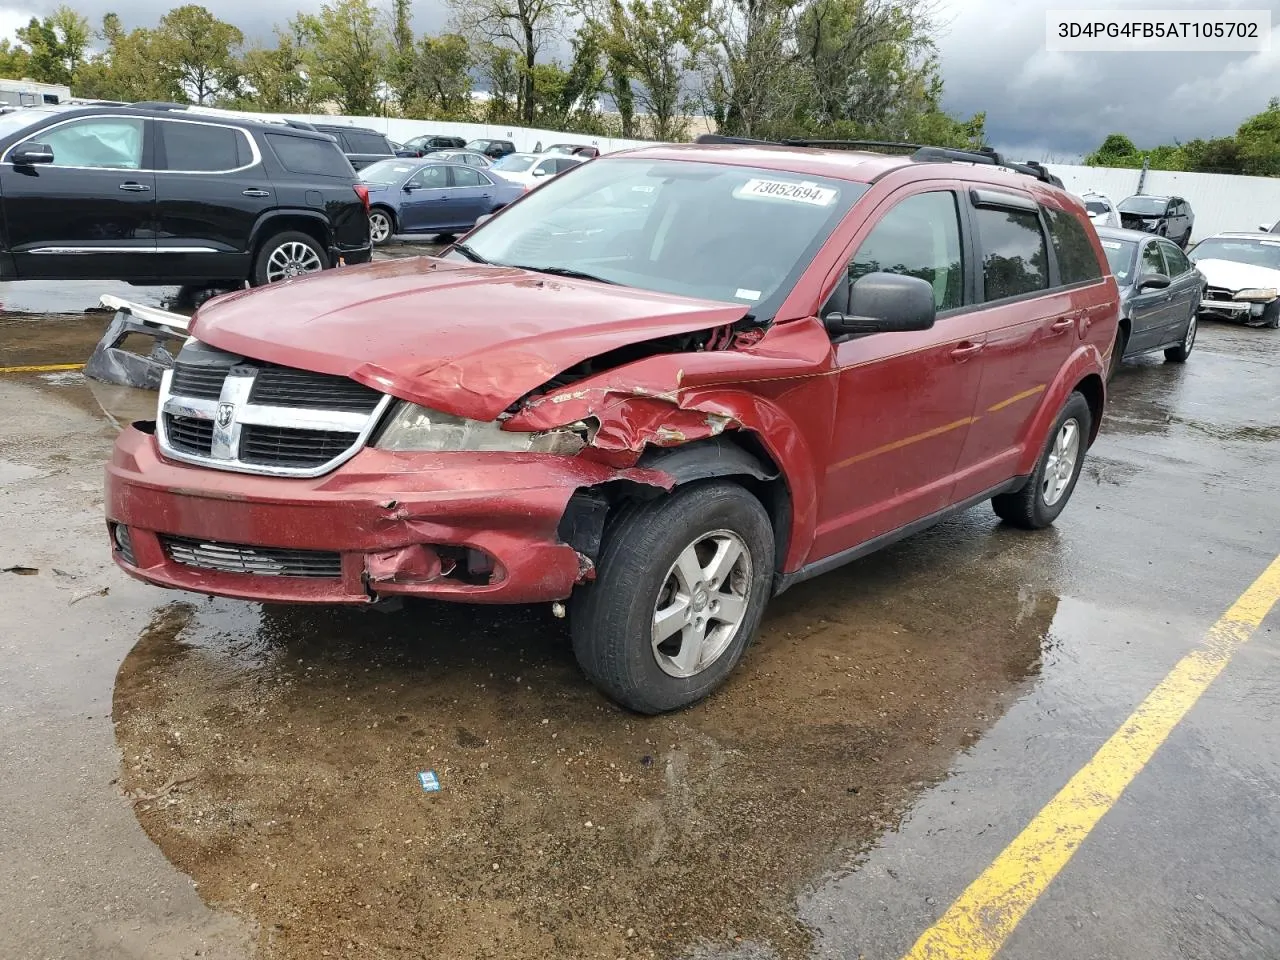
column 225, row 412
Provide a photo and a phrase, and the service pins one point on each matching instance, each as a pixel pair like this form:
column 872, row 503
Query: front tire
column 1271, row 316
column 1037, row 504
column 287, row 255
column 1180, row 353
column 681, row 586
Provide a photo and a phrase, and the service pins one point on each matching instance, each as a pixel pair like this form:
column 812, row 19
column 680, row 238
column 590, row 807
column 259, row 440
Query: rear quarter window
column 307, row 155
column 367, row 143
column 1077, row 262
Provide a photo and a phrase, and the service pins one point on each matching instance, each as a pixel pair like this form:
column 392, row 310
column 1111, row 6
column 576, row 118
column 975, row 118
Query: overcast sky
column 1039, row 105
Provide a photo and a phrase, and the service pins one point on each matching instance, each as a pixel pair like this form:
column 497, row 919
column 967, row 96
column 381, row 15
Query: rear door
column 1032, row 322
column 211, row 188
column 905, row 400
column 90, row 214
column 471, row 195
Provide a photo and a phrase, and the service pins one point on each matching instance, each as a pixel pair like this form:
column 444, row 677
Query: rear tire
column 286, row 255
column 1037, row 504
column 1180, row 353
column 692, row 572
column 382, row 226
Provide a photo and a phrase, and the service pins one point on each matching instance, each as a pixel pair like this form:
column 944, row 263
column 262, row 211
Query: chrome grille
column 189, row 434
column 289, row 447
column 285, row 387
column 262, row 418
column 259, row 561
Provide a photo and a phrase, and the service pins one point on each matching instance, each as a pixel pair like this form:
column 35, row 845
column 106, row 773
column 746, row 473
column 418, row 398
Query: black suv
column 1166, row 216
column 434, row 142
column 361, row 145
column 497, row 149
column 157, row 195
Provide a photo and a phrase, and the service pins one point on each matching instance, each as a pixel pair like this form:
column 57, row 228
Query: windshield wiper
column 470, row 254
column 565, row 272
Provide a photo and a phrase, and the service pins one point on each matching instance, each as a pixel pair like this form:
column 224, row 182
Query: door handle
column 966, row 350
column 133, row 187
column 255, row 192
column 1062, row 324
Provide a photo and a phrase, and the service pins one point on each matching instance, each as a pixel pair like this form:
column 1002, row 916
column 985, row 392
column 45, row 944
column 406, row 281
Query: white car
column 532, row 169
column 1243, row 274
column 1101, row 210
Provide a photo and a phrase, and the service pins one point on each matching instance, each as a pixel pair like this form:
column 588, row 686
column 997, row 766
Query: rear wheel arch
column 1094, row 393
column 274, row 224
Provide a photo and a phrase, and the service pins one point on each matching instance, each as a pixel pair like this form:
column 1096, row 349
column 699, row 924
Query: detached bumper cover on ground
column 479, row 528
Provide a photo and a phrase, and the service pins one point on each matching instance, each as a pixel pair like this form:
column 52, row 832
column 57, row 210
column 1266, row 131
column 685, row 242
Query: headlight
column 420, row 429
column 1256, row 294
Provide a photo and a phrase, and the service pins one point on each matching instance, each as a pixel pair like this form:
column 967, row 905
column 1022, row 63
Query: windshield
column 481, row 145
column 1256, row 253
column 1120, row 255
column 387, row 171
column 728, row 233
column 1145, row 206
column 515, row 163
column 1096, row 207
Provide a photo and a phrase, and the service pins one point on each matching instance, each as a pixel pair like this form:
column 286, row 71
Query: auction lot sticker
column 802, row 192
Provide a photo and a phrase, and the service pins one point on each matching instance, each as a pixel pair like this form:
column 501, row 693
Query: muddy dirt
column 274, row 754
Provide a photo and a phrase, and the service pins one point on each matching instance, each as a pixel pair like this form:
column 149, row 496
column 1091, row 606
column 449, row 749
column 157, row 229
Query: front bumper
column 400, row 524
column 1233, row 309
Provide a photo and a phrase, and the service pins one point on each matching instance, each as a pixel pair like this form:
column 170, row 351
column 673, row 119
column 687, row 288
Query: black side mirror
column 1154, row 281
column 885, row 303
column 410, row 187
column 31, row 153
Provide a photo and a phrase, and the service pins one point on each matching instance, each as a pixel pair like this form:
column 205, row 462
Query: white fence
column 1220, row 202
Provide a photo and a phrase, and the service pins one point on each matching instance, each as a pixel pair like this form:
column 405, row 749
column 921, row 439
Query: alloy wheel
column 702, row 603
column 379, row 227
column 292, row 259
column 1060, row 467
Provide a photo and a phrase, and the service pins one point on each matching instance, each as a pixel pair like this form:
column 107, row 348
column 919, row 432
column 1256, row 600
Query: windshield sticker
column 744, row 294
column 1111, row 244
column 642, row 188
column 803, row 192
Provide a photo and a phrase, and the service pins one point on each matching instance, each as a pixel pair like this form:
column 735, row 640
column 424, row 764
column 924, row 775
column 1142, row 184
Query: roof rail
column 917, row 152
column 159, row 105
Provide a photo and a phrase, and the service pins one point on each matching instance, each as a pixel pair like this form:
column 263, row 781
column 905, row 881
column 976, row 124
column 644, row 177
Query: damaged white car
column 1243, row 274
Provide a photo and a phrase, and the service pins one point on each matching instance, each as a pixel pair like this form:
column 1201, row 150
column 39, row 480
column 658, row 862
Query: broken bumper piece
column 479, row 528
column 111, row 363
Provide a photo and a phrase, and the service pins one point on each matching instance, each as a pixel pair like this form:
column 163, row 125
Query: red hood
column 463, row 338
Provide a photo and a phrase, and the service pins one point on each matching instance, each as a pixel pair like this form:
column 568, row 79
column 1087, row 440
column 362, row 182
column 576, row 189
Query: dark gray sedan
column 1160, row 291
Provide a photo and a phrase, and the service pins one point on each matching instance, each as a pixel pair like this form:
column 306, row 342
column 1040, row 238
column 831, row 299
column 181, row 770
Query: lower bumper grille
column 258, row 561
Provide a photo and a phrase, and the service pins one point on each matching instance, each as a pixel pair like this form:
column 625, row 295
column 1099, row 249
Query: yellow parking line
column 977, row 924
column 43, row 368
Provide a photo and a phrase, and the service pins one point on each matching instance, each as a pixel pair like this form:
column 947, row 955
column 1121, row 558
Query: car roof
column 172, row 111
column 1245, row 235
column 1151, row 196
column 1119, row 233
column 351, row 129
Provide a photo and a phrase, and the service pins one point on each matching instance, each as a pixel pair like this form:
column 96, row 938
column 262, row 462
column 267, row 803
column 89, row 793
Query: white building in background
column 29, row 93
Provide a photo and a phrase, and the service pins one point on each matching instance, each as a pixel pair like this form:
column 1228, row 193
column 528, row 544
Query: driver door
column 906, row 400
column 1149, row 310
column 425, row 205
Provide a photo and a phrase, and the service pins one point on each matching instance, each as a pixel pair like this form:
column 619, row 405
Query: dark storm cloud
column 1059, row 105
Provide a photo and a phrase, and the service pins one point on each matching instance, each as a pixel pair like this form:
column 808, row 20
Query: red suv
column 663, row 387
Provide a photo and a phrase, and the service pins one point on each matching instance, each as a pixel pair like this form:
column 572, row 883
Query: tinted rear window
column 199, row 146
column 1014, row 258
column 305, row 155
column 1077, row 263
column 367, row 142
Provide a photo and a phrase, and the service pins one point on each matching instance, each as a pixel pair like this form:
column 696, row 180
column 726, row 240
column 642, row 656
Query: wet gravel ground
column 272, row 754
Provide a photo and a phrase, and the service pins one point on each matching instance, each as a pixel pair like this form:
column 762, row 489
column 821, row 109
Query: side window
column 1015, row 260
column 465, row 177
column 113, row 143
column 546, row 168
column 366, row 142
column 200, row 146
column 1174, row 260
column 919, row 237
column 1077, row 263
column 431, row 178
column 1152, row 263
column 309, row 155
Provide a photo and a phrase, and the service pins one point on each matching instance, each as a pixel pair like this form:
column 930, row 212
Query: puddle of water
column 74, row 296
column 565, row 826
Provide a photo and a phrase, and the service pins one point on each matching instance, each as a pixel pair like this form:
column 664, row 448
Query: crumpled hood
column 1233, row 276
column 467, row 339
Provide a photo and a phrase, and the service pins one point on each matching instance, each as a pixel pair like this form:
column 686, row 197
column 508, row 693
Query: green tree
column 275, row 79
column 754, row 85
column 441, row 77
column 523, row 27
column 202, row 50
column 567, row 97
column 1117, row 150
column 402, row 72
column 346, row 53
column 624, row 99
column 657, row 43
column 1219, row 155
column 57, row 45
column 129, row 69
column 1259, row 142
column 15, row 61
column 500, row 70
